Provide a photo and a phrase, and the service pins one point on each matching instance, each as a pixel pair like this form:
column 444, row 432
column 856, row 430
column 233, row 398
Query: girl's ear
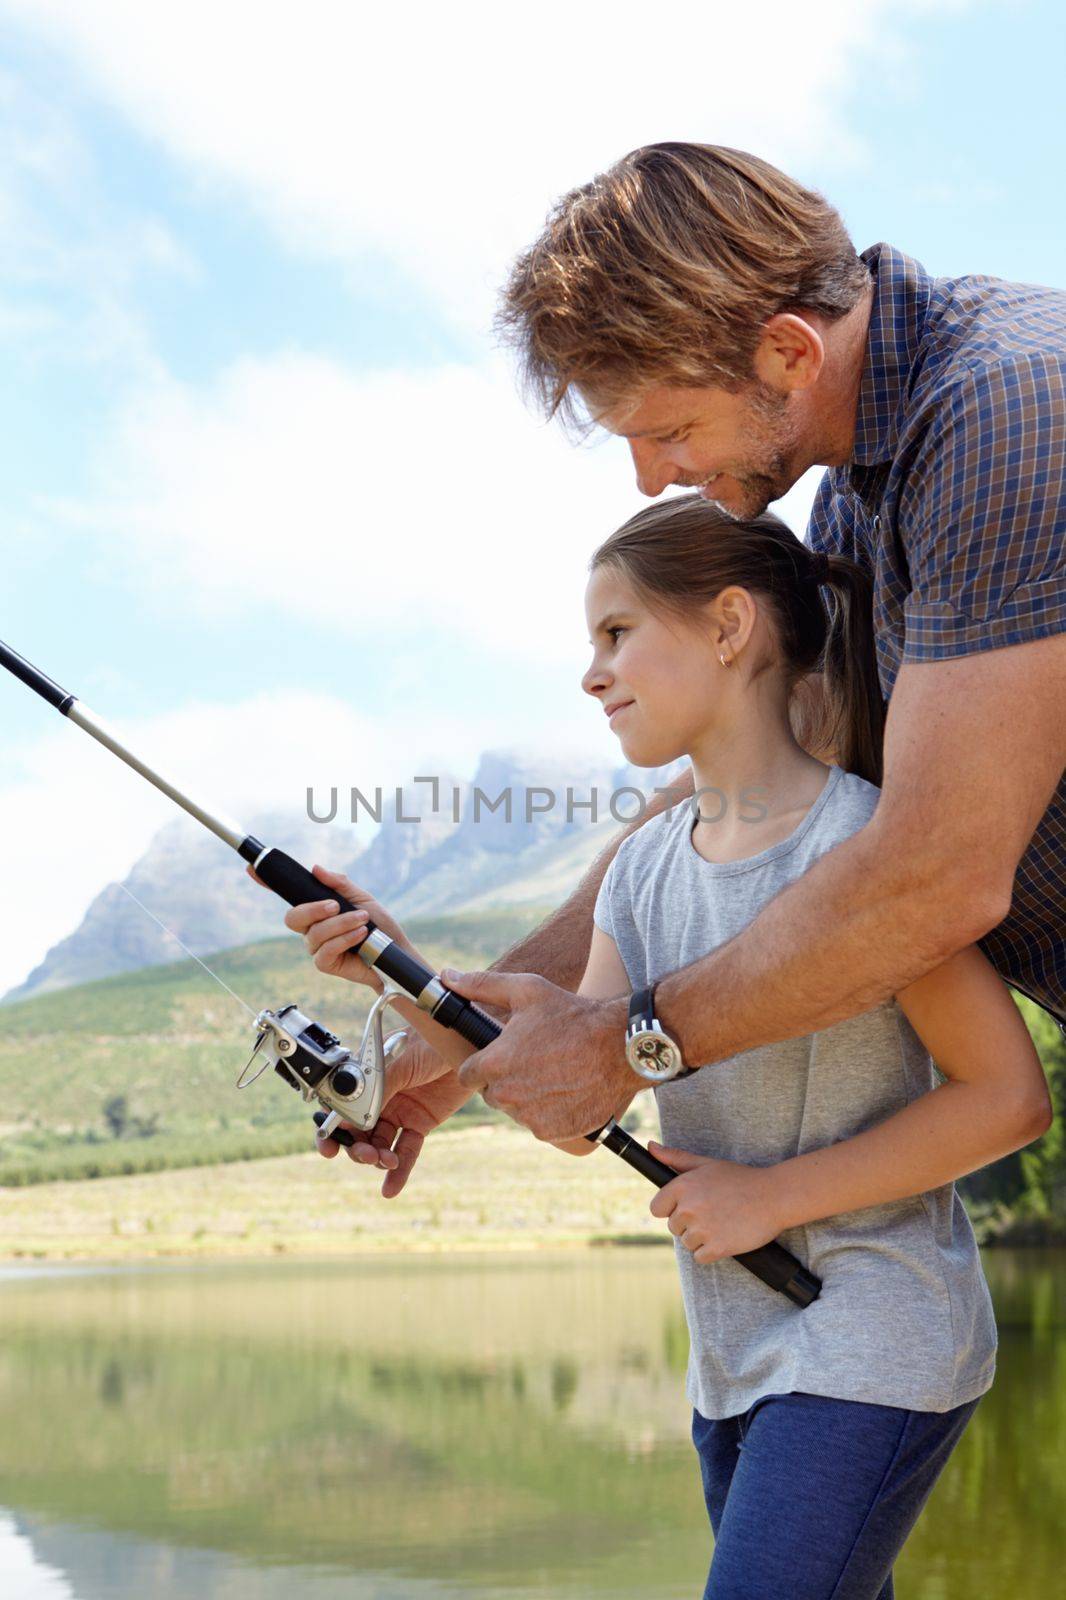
column 735, row 614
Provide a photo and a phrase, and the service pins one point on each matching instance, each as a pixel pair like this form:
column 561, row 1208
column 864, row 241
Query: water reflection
column 432, row 1428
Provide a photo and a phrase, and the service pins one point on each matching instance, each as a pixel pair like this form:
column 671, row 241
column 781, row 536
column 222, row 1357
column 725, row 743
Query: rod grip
column 293, row 882
column 466, row 1020
column 296, row 885
column 777, row 1267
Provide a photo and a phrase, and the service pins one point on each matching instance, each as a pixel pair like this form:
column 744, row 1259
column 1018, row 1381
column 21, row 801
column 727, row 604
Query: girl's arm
column 995, row 1100
column 605, row 977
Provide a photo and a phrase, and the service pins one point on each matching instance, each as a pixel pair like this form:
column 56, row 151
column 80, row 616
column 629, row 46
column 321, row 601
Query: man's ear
column 790, row 354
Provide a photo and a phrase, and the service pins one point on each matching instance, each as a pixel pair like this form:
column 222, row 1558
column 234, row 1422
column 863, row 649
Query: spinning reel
column 350, row 1084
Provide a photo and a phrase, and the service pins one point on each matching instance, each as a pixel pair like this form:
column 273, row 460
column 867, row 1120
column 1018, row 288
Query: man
column 715, row 314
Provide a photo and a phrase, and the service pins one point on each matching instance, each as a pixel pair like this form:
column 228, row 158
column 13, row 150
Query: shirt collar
column 902, row 289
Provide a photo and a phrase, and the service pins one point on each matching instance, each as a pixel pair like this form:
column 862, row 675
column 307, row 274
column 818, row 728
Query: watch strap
column 642, row 1006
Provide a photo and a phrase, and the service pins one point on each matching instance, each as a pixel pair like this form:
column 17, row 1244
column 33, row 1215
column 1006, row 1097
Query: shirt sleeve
column 984, row 516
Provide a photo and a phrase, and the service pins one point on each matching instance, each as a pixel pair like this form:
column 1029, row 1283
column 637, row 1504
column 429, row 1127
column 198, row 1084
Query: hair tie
column 819, row 567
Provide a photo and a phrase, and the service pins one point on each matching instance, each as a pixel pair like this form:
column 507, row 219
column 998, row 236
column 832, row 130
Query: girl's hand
column 333, row 938
column 716, row 1208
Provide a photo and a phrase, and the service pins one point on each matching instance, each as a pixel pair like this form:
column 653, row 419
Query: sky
column 271, row 502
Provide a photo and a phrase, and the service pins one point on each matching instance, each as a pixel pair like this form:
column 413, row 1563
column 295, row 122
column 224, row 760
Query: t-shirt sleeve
column 602, row 913
column 984, row 514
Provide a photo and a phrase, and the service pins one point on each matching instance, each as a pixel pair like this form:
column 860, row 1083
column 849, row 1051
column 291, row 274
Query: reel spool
column 350, row 1084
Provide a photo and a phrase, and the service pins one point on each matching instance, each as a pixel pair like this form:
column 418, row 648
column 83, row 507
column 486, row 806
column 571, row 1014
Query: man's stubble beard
column 776, row 475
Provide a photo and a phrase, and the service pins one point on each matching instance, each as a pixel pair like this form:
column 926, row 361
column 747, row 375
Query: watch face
column 653, row 1056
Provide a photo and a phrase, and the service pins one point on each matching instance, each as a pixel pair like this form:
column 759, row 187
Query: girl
column 820, row 1432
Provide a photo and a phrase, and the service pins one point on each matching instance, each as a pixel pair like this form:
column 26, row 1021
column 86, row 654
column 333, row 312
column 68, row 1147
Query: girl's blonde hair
column 680, row 553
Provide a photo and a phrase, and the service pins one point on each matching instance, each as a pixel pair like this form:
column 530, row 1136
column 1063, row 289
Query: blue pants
column 813, row 1499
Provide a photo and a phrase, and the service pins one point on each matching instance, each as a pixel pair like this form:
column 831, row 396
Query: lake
column 506, row 1428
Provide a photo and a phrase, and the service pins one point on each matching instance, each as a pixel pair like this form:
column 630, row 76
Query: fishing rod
column 348, row 1084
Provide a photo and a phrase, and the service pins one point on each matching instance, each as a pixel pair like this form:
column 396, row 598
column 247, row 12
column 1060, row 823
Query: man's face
column 738, row 449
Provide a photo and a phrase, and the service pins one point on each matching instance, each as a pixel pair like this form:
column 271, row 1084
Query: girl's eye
column 613, row 633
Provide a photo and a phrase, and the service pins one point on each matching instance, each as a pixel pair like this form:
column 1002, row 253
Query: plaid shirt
column 955, row 502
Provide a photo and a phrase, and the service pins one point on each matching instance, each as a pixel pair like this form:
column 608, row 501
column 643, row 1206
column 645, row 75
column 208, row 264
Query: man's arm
column 974, row 750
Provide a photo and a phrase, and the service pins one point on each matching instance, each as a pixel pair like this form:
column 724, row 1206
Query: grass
column 137, row 1073
column 129, row 1082
column 485, row 1187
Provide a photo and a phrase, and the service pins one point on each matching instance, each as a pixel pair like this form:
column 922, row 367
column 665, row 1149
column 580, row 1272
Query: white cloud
column 438, row 135
column 72, row 260
column 414, row 501
column 393, row 505
column 255, row 499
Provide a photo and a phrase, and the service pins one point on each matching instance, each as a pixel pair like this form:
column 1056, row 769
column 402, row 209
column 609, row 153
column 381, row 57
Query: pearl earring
column 723, row 660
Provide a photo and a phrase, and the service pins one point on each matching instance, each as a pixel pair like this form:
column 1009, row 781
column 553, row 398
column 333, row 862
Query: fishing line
column 192, row 953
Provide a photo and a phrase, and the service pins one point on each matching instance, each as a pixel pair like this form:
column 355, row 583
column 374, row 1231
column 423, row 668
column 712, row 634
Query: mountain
column 518, row 834
column 515, row 840
column 195, row 885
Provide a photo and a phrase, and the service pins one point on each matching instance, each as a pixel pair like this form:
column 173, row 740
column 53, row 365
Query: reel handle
column 341, row 1135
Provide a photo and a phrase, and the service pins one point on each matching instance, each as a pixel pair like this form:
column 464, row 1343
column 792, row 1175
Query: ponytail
column 854, row 718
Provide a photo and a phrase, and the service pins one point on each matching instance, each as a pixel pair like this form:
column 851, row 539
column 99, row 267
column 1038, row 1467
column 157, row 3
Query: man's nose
column 654, row 472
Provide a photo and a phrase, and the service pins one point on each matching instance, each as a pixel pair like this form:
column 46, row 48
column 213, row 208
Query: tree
column 117, row 1115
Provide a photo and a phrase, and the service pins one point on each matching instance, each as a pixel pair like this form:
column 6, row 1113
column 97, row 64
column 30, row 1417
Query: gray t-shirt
column 904, row 1317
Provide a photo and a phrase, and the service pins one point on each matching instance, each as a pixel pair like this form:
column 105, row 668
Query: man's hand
column 559, row 1066
column 716, row 1208
column 421, row 1092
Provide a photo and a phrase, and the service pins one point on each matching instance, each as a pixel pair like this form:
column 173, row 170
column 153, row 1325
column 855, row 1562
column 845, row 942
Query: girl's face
column 658, row 678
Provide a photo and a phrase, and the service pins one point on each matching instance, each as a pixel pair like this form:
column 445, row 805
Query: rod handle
column 297, row 886
column 777, row 1267
column 293, row 882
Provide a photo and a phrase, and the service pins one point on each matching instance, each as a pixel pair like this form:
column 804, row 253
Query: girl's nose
column 595, row 680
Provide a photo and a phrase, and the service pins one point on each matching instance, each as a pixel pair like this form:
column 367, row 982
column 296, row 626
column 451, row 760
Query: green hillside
column 137, row 1073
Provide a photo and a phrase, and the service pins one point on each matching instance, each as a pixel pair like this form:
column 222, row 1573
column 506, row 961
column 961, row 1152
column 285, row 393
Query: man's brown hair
column 664, row 269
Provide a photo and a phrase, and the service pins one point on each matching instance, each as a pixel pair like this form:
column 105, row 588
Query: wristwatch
column 650, row 1051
